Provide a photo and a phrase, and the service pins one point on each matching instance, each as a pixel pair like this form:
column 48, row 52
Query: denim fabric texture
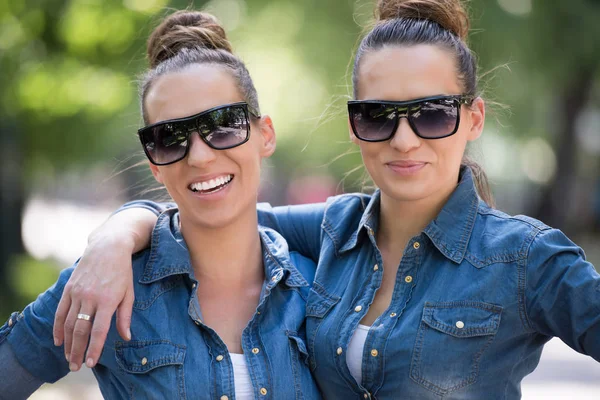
column 173, row 354
column 477, row 295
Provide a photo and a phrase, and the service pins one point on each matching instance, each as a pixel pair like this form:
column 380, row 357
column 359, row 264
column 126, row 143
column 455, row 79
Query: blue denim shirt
column 477, row 295
column 173, row 354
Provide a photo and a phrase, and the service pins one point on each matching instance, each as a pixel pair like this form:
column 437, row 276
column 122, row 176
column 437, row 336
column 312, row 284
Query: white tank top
column 355, row 352
column 241, row 378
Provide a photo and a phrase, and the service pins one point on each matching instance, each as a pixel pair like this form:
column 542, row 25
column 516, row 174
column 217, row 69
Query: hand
column 101, row 283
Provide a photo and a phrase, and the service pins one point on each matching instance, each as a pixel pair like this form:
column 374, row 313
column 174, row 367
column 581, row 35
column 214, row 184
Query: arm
column 563, row 292
column 300, row 225
column 28, row 357
column 103, row 283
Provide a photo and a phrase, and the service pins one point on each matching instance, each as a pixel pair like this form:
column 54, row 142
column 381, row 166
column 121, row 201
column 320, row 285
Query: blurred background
column 69, row 113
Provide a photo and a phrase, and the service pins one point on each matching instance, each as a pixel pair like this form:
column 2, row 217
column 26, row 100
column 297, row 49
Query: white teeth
column 211, row 184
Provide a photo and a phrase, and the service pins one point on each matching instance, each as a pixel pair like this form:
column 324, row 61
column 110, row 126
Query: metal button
column 416, row 245
column 408, row 279
column 194, row 286
column 274, row 278
column 197, row 322
column 219, row 358
column 371, row 231
column 339, row 351
column 374, row 352
column 460, row 324
column 358, row 308
column 263, row 391
column 10, row 322
column 255, row 350
column 224, row 397
column 258, row 312
column 144, row 361
column 366, row 396
column 376, row 267
column 393, row 314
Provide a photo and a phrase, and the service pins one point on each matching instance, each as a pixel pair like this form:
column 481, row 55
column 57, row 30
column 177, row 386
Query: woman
column 219, row 304
column 422, row 290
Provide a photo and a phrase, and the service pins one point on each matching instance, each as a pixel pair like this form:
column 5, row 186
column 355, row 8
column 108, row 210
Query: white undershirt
column 241, row 378
column 354, row 354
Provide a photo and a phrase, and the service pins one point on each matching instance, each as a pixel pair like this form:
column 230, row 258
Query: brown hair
column 191, row 37
column 443, row 23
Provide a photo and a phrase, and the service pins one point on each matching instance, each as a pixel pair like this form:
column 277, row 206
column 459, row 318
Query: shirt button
column 366, row 396
column 197, row 322
column 144, row 361
column 263, row 391
column 10, row 322
column 274, row 278
column 224, row 397
column 255, row 350
column 460, row 324
column 219, row 358
column 339, row 351
column 393, row 314
column 416, row 245
column 194, row 286
column 358, row 308
column 408, row 279
column 374, row 353
column 371, row 231
column 376, row 267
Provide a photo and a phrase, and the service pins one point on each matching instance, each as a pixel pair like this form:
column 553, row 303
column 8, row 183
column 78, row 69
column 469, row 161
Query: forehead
column 407, row 72
column 190, row 91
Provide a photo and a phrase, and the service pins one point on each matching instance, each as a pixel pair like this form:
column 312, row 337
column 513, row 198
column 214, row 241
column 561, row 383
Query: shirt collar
column 169, row 254
column 450, row 231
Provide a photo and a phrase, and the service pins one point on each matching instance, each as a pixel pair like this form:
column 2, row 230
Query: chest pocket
column 152, row 368
column 318, row 304
column 451, row 340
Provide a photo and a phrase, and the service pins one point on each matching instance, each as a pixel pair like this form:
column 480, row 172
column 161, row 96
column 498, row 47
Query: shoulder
column 344, row 212
column 500, row 237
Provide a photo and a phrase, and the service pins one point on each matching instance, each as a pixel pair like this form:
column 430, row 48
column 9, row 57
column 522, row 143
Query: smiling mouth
column 211, row 186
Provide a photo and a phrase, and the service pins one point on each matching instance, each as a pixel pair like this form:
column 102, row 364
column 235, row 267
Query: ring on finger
column 84, row 317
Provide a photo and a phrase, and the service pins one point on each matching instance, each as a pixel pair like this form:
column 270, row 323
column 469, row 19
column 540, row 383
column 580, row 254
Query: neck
column 228, row 255
column 401, row 220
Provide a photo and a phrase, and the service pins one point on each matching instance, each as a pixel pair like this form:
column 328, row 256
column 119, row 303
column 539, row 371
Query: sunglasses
column 221, row 128
column 430, row 118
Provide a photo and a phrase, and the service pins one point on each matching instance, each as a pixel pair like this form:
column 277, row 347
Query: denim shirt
column 173, row 354
column 477, row 295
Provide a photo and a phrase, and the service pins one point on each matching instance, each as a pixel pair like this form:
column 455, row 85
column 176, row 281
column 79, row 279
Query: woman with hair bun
column 423, row 290
column 219, row 301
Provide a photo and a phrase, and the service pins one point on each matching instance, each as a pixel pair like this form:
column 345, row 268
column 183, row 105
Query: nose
column 199, row 153
column 404, row 139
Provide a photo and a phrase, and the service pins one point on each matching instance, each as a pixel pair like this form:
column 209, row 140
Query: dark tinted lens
column 373, row 122
column 435, row 119
column 225, row 127
column 167, row 142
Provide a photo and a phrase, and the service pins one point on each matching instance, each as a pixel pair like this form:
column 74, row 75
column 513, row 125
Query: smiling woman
column 207, row 319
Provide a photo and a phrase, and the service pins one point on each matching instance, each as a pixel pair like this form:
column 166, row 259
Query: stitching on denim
column 527, row 244
column 155, row 293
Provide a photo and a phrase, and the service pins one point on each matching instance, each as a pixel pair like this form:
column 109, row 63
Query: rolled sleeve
column 563, row 292
column 152, row 206
column 30, row 337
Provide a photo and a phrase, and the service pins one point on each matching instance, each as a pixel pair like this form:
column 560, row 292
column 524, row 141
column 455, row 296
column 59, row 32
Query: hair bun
column 450, row 14
column 185, row 29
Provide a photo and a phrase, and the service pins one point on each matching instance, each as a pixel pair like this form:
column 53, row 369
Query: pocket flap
column 139, row 357
column 299, row 344
column 463, row 318
column 319, row 302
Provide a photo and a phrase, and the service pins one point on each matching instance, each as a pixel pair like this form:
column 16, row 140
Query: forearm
column 130, row 228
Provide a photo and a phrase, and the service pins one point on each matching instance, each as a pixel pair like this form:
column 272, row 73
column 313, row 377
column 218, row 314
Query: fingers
column 100, row 329
column 61, row 315
column 81, row 334
column 69, row 326
column 124, row 314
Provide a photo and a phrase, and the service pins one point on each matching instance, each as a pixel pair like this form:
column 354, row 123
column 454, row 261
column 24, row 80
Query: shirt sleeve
column 563, row 292
column 29, row 336
column 21, row 383
column 300, row 225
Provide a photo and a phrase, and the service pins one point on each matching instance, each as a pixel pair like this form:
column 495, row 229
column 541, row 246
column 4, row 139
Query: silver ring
column 84, row 317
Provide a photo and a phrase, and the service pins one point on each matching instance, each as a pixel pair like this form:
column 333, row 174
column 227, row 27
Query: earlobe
column 268, row 133
column 477, row 114
column 156, row 172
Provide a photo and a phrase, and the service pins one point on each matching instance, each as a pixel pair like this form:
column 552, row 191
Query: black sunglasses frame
column 248, row 111
column 460, row 100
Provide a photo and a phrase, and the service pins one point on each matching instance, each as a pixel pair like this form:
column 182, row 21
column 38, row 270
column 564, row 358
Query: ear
column 268, row 136
column 156, row 172
column 353, row 137
column 476, row 119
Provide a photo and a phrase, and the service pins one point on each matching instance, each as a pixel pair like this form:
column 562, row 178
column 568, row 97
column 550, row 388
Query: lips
column 406, row 167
